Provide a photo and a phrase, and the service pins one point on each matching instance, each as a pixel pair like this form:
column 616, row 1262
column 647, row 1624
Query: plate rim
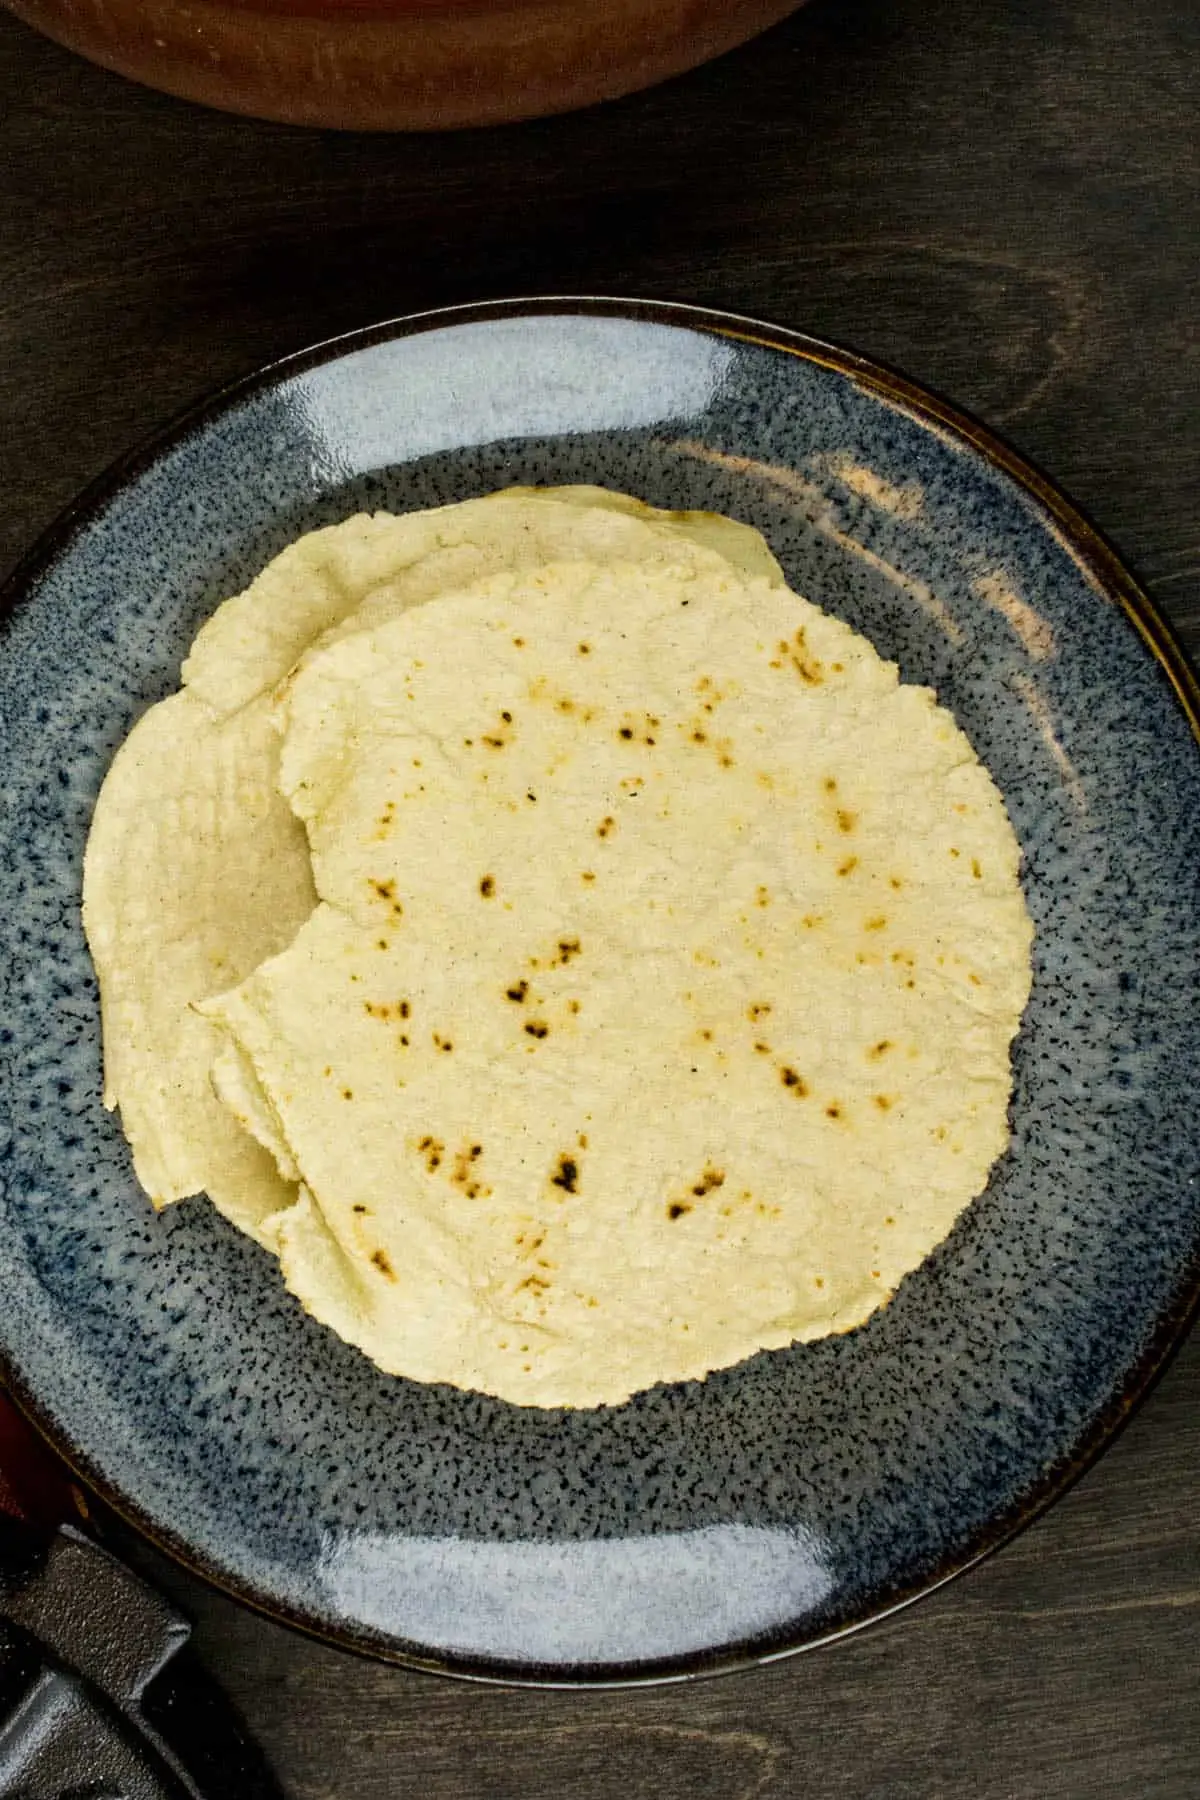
column 1105, row 572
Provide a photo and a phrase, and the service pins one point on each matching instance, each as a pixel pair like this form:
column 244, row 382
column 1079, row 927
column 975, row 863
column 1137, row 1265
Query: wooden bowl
column 400, row 65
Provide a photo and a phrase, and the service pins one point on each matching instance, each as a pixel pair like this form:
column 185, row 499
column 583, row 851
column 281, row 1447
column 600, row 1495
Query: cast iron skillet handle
column 99, row 1694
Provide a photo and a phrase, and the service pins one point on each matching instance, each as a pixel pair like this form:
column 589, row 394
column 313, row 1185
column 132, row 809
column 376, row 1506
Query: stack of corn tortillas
column 579, row 959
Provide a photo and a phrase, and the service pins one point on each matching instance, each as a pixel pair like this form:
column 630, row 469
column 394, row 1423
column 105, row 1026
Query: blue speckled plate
column 777, row 1503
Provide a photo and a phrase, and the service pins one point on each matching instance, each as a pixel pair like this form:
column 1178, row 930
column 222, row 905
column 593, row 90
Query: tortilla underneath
column 196, row 868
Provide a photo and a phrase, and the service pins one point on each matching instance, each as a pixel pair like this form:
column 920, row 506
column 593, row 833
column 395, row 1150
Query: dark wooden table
column 1003, row 200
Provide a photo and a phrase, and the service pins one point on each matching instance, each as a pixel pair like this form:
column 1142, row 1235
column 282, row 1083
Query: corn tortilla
column 658, row 1003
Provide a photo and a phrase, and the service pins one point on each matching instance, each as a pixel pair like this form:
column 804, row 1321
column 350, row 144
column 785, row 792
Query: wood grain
column 1002, row 200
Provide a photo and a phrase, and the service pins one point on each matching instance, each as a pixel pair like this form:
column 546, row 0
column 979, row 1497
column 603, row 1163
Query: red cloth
column 34, row 1485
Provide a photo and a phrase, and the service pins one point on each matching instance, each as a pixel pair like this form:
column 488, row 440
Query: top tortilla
column 658, row 1005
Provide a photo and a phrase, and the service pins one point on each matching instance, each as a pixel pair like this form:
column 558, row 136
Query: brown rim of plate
column 1104, row 571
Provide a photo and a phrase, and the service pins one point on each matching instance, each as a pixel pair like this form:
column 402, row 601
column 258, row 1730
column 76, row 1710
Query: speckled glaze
column 807, row 1490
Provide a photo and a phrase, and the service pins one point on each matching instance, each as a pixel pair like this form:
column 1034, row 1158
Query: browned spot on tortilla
column 848, row 867
column 379, row 1258
column 464, row 1174
column 431, row 1149
column 791, row 1079
column 846, row 821
column 566, row 1175
column 386, row 890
